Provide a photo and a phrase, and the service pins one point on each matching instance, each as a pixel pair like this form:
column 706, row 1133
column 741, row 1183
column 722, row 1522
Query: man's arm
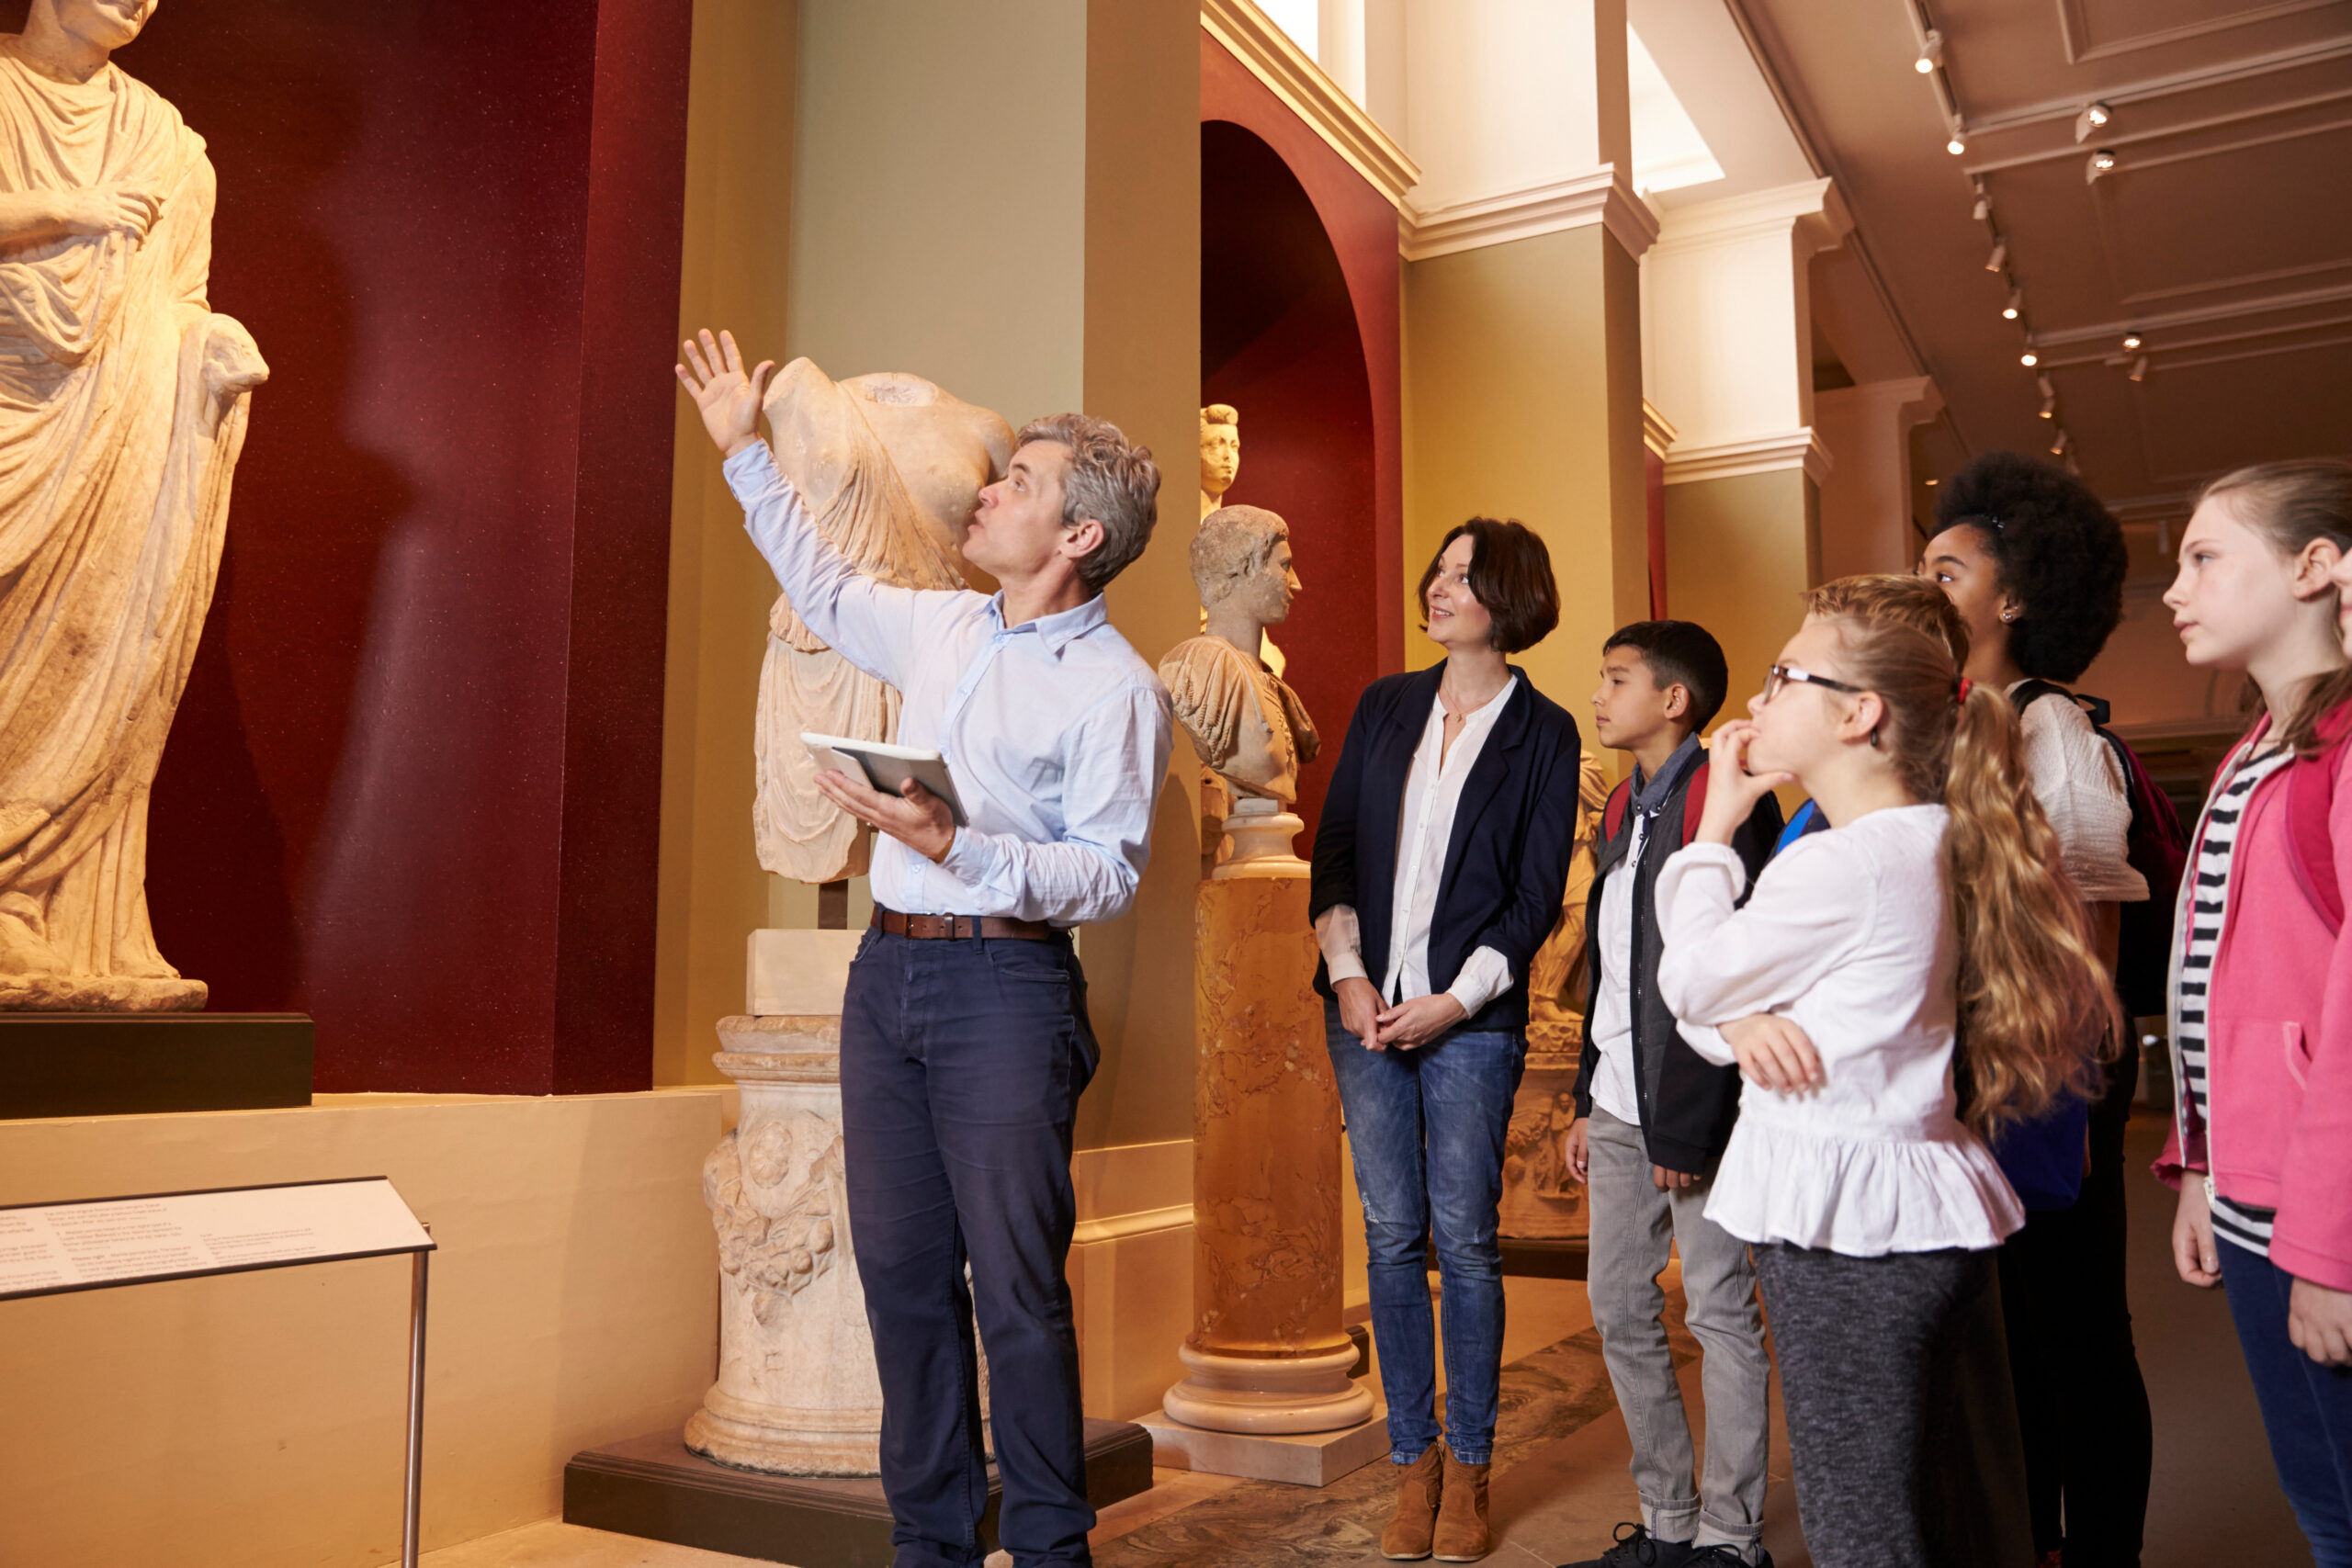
column 868, row 622
column 1117, row 757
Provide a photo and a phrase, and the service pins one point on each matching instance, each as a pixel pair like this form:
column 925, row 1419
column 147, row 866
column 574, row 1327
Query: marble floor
column 2215, row 1498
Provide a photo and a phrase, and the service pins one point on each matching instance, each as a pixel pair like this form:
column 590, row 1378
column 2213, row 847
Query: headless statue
column 1249, row 728
column 122, row 412
column 891, row 468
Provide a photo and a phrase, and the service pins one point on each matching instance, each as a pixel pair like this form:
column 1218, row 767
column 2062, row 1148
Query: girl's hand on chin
column 1732, row 790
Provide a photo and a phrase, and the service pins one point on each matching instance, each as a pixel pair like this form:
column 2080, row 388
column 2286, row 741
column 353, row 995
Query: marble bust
column 1249, row 728
column 122, row 412
column 1220, row 454
column 891, row 468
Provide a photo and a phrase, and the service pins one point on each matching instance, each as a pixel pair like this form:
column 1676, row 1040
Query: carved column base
column 798, row 1393
column 1265, row 1393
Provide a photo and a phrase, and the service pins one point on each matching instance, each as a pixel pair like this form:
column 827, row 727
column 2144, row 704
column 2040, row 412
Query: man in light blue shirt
column 964, row 1040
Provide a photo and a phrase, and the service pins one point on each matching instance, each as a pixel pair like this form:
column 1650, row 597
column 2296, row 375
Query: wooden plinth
column 122, row 1064
column 655, row 1488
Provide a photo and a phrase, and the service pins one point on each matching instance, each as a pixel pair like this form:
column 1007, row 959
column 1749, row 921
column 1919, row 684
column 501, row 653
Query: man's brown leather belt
column 937, row 928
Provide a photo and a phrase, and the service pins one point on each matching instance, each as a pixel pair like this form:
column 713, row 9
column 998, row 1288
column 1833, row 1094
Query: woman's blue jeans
column 1426, row 1129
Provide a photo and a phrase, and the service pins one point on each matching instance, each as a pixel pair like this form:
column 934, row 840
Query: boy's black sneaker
column 1727, row 1557
column 1640, row 1549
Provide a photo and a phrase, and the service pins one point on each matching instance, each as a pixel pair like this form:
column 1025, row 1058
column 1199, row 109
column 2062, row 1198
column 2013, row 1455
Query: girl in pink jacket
column 2262, row 975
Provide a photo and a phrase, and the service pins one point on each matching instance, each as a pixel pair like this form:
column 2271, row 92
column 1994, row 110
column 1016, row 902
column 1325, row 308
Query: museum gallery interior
column 408, row 847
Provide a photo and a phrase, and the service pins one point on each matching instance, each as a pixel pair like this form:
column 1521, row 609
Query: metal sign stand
column 420, row 1264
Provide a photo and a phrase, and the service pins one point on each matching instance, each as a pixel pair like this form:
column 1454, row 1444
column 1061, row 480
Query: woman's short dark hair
column 1510, row 572
column 2058, row 550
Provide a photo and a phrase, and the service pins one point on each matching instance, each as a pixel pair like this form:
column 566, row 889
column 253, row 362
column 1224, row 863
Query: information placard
column 48, row 1248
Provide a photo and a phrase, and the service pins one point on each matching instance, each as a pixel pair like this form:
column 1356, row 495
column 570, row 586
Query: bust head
column 1220, row 448
column 100, row 25
column 1242, row 565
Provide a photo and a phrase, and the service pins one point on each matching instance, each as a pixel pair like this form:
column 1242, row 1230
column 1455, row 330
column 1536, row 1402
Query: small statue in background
column 1220, row 463
column 891, row 468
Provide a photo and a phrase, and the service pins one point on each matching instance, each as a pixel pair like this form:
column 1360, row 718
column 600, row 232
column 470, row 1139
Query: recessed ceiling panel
column 2194, row 222
column 2094, row 27
column 2300, row 393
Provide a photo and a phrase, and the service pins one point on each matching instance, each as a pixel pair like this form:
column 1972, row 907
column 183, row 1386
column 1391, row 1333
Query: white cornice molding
column 1291, row 74
column 1798, row 449
column 1603, row 196
column 1810, row 209
column 1657, row 431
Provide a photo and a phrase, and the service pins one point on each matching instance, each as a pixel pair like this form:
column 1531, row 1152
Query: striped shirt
column 2240, row 1224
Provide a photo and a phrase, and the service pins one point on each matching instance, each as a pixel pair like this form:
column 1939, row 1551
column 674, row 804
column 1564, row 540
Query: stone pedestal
column 797, row 1392
column 1267, row 1353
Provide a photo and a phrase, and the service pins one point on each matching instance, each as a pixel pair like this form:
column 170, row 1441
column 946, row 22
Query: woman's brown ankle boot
column 1461, row 1535
column 1407, row 1538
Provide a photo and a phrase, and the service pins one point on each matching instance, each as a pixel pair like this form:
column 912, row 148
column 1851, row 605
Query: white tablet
column 886, row 767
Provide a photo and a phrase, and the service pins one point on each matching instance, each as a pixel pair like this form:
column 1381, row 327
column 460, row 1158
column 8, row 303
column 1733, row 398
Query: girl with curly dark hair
column 2035, row 565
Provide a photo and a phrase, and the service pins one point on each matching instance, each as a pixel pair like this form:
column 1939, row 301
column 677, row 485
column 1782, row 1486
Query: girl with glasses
column 1934, row 901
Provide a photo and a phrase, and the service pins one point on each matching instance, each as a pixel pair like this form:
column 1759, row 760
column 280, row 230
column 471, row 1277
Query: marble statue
column 1249, row 728
column 891, row 468
column 1220, row 464
column 1220, row 455
column 122, row 410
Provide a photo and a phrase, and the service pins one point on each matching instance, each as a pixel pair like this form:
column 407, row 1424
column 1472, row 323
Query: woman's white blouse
column 2080, row 784
column 1846, row 937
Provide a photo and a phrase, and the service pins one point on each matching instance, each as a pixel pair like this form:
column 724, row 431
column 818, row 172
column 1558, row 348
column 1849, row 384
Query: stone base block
column 1303, row 1459
column 654, row 1488
column 798, row 973
column 1252, row 1394
column 126, row 1064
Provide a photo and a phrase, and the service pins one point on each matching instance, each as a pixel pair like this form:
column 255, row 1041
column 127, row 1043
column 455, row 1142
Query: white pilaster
column 1866, row 504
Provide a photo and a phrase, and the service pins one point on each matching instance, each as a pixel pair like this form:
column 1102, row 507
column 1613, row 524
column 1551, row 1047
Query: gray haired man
column 965, row 1039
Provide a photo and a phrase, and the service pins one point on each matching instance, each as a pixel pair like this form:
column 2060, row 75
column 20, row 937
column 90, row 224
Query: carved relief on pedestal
column 1541, row 1199
column 775, row 1201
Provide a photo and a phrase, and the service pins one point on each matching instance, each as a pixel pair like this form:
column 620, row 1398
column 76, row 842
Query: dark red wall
column 1300, row 331
column 414, row 786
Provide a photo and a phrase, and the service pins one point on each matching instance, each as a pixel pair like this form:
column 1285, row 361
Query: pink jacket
column 2277, row 1128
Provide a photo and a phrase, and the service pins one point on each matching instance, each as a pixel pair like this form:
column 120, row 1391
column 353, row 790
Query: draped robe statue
column 122, row 409
column 891, row 468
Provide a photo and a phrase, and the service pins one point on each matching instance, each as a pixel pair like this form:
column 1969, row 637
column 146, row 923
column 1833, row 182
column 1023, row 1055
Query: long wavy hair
column 2290, row 504
column 2037, row 1008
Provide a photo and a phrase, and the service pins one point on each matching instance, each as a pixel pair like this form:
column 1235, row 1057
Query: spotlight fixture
column 1983, row 213
column 2016, row 306
column 2102, row 162
column 1931, row 53
column 2049, row 400
column 2073, row 466
column 1958, row 144
column 2140, row 369
column 2131, row 342
column 2093, row 118
column 2058, row 444
column 2029, row 360
column 1931, row 482
column 2000, row 256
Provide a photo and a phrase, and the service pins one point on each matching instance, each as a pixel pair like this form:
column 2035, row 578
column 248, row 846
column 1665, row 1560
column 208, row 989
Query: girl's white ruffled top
column 1846, row 937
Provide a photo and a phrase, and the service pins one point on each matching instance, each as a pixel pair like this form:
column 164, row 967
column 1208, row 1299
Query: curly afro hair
column 2060, row 553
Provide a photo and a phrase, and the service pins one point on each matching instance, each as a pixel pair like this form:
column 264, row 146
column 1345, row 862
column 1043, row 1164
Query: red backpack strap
column 2310, row 804
column 1694, row 804
column 1612, row 815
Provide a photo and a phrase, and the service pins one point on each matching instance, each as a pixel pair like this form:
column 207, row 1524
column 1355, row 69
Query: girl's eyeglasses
column 1780, row 675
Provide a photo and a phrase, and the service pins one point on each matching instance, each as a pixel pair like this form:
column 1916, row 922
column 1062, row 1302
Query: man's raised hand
column 729, row 400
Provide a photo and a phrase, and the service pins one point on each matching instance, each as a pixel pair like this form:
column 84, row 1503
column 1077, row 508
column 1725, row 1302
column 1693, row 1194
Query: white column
column 1866, row 503
column 1727, row 329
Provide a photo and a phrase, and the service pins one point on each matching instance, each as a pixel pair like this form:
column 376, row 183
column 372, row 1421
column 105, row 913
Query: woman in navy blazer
column 1440, row 863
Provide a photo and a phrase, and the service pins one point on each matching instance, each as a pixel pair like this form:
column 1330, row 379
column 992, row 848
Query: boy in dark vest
column 1652, row 1118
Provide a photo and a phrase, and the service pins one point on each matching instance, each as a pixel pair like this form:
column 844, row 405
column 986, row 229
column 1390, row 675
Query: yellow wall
column 1524, row 399
column 1740, row 552
column 739, row 208
column 259, row 1420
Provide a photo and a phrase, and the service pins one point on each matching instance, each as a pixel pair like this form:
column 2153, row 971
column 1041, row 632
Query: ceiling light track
column 1929, row 62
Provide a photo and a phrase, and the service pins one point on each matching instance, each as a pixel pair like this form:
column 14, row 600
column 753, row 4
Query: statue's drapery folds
column 122, row 410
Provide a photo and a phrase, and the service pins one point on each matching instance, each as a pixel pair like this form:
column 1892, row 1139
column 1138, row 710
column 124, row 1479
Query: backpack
column 2157, row 846
column 1694, row 807
column 2310, row 799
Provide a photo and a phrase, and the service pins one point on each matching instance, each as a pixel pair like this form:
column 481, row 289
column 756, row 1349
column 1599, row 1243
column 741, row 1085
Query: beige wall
column 258, row 1420
column 739, row 208
column 1524, row 399
column 1739, row 553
